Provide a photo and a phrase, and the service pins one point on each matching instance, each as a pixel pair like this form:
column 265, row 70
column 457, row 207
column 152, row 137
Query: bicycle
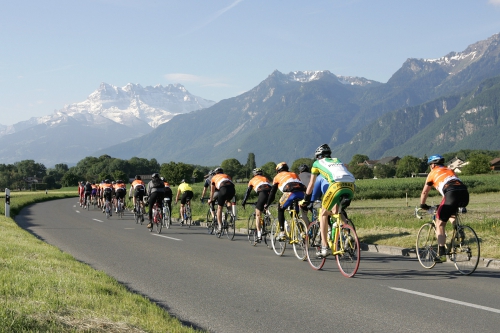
column 167, row 222
column 342, row 239
column 108, row 206
column 119, row 208
column 265, row 226
column 188, row 219
column 211, row 219
column 138, row 213
column 463, row 247
column 157, row 217
column 295, row 233
column 228, row 221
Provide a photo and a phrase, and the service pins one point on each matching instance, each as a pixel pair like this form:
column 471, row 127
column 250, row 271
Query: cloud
column 213, row 17
column 494, row 2
column 201, row 80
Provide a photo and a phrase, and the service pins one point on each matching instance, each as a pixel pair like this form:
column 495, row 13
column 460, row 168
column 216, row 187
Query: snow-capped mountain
column 109, row 115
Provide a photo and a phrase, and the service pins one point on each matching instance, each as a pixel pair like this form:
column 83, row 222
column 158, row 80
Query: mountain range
column 108, row 116
column 427, row 106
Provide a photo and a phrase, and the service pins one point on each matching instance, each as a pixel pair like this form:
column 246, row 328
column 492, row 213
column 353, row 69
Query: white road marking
column 77, row 211
column 177, row 239
column 98, row 220
column 444, row 299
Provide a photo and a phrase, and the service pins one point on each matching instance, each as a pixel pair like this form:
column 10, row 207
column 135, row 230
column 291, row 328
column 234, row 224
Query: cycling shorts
column 185, row 196
column 94, row 192
column 120, row 194
column 262, row 199
column 288, row 197
column 334, row 192
column 450, row 203
column 139, row 193
column 226, row 193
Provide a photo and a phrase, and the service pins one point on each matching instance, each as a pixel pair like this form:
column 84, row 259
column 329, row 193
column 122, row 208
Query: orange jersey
column 258, row 181
column 106, row 186
column 439, row 176
column 120, row 187
column 221, row 179
column 138, row 183
column 284, row 178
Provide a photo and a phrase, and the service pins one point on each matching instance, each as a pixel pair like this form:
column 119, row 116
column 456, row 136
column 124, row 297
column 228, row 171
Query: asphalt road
column 231, row 286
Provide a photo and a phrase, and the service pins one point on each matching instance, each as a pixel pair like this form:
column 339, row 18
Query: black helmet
column 303, row 168
column 435, row 159
column 162, row 178
column 155, row 175
column 218, row 170
column 257, row 171
column 323, row 151
column 282, row 167
column 107, row 181
column 137, row 177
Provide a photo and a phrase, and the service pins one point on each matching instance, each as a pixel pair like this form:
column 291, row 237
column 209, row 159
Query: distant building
column 495, row 164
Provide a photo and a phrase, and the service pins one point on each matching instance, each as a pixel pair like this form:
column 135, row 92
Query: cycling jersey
column 184, row 187
column 219, row 180
column 259, row 183
column 333, row 170
column 288, row 182
column 443, row 179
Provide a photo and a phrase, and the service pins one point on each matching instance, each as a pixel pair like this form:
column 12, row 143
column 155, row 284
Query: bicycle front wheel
column 465, row 252
column 251, row 229
column 427, row 246
column 299, row 240
column 313, row 244
column 210, row 222
column 279, row 245
column 348, row 259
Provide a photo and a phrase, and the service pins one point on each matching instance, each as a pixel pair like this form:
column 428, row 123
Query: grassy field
column 43, row 289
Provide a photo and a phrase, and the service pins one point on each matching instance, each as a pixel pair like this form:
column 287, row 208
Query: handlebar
column 420, row 212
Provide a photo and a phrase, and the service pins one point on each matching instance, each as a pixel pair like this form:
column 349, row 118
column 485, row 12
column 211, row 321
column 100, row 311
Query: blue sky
column 57, row 52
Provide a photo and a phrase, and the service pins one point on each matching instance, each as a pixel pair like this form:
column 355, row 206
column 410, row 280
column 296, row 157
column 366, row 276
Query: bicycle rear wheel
column 313, row 243
column 427, row 246
column 348, row 261
column 299, row 240
column 278, row 245
column 159, row 222
column 465, row 252
column 189, row 219
column 166, row 218
column 251, row 229
column 230, row 226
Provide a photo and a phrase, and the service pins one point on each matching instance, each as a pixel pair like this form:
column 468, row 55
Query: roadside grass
column 45, row 290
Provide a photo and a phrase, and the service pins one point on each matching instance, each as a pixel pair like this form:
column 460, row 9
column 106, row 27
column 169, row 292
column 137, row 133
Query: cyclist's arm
column 249, row 189
column 425, row 193
column 272, row 194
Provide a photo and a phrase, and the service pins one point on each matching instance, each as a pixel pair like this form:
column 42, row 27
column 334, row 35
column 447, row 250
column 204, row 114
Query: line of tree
column 96, row 169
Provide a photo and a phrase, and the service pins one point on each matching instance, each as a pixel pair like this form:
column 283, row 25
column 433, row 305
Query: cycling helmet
column 435, row 159
column 282, row 167
column 107, row 181
column 211, row 172
column 323, row 151
column 257, row 171
column 303, row 168
column 119, row 181
column 218, row 170
column 113, row 182
column 137, row 177
column 155, row 175
column 162, row 178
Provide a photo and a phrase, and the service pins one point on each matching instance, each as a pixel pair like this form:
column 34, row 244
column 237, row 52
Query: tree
column 233, row 168
column 408, row 165
column 299, row 162
column 50, row 181
column 358, row 158
column 269, row 170
column 70, row 179
column 119, row 174
column 478, row 163
column 250, row 165
column 175, row 172
column 197, row 175
column 384, row 171
column 361, row 171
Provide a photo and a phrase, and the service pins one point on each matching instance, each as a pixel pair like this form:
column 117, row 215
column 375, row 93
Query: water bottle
column 287, row 228
column 329, row 232
column 233, row 206
column 334, row 226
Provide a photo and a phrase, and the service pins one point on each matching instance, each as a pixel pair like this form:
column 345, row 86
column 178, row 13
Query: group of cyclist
column 327, row 180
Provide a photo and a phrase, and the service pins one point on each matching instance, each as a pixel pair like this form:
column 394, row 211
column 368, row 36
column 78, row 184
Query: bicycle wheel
column 278, row 245
column 230, row 226
column 465, row 252
column 166, row 218
column 313, row 243
column 251, row 231
column 189, row 219
column 427, row 246
column 223, row 223
column 266, row 229
column 210, row 222
column 348, row 260
column 299, row 240
column 159, row 222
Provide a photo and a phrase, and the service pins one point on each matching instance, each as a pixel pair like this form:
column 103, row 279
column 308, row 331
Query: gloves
column 424, row 206
column 304, row 203
column 202, row 199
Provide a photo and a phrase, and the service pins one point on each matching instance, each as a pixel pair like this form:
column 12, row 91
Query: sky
column 57, row 52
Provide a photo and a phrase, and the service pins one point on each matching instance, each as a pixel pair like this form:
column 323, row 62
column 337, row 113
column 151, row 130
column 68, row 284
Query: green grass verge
column 45, row 290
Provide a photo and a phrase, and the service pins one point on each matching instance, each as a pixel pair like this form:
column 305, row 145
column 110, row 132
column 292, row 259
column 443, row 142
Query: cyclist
column 454, row 192
column 120, row 191
column 93, row 194
column 333, row 171
column 222, row 183
column 87, row 192
column 168, row 194
column 292, row 188
column 262, row 187
column 81, row 192
column 305, row 177
column 207, row 184
column 107, row 194
column 137, row 190
column 185, row 192
column 156, row 192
